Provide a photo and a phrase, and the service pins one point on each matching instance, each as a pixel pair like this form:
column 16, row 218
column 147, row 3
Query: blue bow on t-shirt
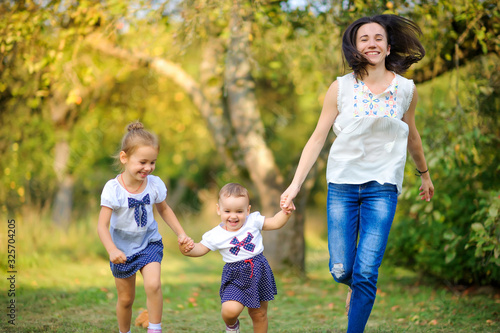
column 245, row 243
column 133, row 203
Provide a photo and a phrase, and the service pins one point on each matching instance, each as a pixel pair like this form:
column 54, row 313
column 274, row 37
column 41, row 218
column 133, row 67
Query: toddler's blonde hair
column 233, row 190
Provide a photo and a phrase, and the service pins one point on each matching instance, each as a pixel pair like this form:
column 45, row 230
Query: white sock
column 121, row 331
column 155, row 326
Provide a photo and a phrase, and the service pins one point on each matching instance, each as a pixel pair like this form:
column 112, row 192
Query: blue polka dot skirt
column 152, row 253
column 248, row 281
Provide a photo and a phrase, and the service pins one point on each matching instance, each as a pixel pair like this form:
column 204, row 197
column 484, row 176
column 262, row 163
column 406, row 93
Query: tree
column 76, row 72
column 244, row 121
column 40, row 54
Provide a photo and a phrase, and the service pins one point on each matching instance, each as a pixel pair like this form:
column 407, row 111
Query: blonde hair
column 233, row 190
column 136, row 137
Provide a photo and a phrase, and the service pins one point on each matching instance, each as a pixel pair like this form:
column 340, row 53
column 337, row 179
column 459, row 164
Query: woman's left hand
column 427, row 188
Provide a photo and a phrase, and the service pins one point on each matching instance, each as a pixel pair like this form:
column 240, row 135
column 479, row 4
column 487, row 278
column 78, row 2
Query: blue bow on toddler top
column 245, row 243
column 133, row 203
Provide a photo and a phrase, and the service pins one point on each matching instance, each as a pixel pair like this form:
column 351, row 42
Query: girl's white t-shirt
column 371, row 138
column 129, row 237
column 237, row 245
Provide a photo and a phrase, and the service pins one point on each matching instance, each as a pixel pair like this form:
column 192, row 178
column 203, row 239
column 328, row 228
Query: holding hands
column 185, row 242
column 286, row 200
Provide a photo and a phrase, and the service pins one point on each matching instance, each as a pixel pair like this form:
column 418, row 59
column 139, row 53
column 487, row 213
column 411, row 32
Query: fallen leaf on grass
column 395, row 307
column 142, row 319
column 433, row 322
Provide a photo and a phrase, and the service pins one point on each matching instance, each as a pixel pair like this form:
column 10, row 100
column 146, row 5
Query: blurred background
column 234, row 88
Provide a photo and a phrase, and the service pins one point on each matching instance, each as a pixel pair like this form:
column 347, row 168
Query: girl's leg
column 231, row 311
column 126, row 295
column 378, row 206
column 152, row 285
column 259, row 318
column 343, row 224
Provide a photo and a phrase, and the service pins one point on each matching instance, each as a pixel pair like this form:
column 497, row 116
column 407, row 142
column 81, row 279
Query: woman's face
column 372, row 43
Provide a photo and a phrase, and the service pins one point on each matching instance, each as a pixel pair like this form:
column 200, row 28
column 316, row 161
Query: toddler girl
column 247, row 279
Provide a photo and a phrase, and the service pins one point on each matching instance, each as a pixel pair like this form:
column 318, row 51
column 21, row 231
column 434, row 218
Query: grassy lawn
column 66, row 286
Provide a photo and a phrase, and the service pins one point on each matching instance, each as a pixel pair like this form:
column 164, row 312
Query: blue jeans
column 365, row 211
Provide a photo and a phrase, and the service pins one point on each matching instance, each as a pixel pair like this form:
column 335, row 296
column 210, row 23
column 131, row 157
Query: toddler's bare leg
column 230, row 311
column 259, row 318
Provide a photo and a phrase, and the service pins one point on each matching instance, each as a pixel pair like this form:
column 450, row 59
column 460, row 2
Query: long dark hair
column 402, row 35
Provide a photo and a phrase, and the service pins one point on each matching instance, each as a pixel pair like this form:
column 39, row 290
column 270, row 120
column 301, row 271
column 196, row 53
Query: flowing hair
column 402, row 35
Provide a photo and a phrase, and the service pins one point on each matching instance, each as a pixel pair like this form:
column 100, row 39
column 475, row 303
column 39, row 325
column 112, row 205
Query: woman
column 372, row 111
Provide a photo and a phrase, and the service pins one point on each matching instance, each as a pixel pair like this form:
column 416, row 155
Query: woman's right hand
column 286, row 199
column 117, row 257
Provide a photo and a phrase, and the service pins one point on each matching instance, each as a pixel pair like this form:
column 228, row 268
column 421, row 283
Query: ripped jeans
column 365, row 211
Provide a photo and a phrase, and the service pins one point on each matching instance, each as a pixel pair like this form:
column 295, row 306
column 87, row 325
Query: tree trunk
column 63, row 116
column 284, row 247
column 212, row 86
column 63, row 203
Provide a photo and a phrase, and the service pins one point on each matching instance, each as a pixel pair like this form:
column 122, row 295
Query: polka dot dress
column 248, row 282
column 152, row 253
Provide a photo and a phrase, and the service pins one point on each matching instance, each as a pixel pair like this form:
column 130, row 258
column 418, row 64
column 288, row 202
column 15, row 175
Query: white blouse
column 371, row 140
column 133, row 226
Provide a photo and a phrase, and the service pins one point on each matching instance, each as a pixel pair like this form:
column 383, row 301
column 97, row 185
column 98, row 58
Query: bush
column 455, row 237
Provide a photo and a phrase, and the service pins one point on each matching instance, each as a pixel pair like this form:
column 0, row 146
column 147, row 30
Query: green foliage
column 46, row 65
column 455, row 236
column 485, row 232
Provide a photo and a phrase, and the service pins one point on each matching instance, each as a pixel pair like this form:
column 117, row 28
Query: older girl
column 127, row 227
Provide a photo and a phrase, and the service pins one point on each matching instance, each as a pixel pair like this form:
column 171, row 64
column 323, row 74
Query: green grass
column 63, row 284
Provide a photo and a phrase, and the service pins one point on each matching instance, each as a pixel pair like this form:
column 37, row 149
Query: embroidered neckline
column 367, row 104
column 391, row 87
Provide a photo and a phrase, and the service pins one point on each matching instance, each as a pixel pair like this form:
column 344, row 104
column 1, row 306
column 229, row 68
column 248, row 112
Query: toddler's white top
column 132, row 224
column 237, row 245
column 372, row 139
